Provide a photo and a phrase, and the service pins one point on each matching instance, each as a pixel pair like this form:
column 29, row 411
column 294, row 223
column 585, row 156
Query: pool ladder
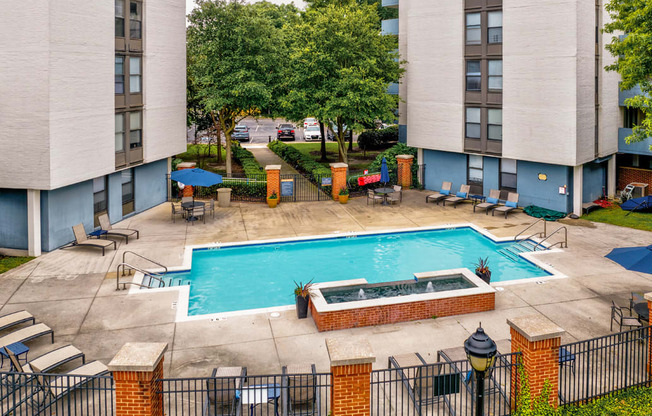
column 150, row 280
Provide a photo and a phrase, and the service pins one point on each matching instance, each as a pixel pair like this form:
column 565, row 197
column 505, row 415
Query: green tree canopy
column 633, row 54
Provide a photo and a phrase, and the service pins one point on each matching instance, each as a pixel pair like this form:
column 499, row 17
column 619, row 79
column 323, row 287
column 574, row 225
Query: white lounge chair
column 26, row 334
column 15, row 318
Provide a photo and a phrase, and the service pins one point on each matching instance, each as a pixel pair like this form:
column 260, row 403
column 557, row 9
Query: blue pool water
column 263, row 275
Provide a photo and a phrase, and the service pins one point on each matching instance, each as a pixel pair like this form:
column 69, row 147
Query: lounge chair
column 490, row 203
column 510, row 205
column 302, row 393
column 445, row 192
column 105, row 224
column 373, row 197
column 15, row 318
column 425, row 383
column 461, row 196
column 81, row 239
column 221, row 391
column 26, row 334
column 177, row 210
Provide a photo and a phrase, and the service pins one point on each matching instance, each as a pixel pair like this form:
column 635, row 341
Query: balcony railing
column 638, row 148
column 389, row 27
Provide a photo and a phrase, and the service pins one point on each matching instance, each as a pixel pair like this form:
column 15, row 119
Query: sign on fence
column 287, row 187
column 327, row 181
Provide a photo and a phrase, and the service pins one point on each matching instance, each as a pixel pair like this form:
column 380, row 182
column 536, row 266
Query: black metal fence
column 444, row 388
column 298, row 188
column 281, row 395
column 56, row 394
column 600, row 366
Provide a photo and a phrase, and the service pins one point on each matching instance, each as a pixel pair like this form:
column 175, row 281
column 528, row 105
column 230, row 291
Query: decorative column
column 136, row 369
column 33, row 222
column 187, row 189
column 351, row 368
column 405, row 170
column 338, row 174
column 648, row 297
column 273, row 180
column 538, row 339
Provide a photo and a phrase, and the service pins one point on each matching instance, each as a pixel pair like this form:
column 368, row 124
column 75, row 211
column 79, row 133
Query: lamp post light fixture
column 481, row 352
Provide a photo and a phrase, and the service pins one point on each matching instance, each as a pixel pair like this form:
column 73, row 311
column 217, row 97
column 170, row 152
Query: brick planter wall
column 401, row 312
column 629, row 175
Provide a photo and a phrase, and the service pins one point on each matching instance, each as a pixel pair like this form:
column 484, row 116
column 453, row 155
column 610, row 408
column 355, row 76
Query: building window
column 494, row 124
column 473, row 76
column 495, row 27
column 508, row 175
column 475, row 173
column 496, row 75
column 473, row 129
column 134, row 75
column 135, row 20
column 632, row 118
column 473, row 29
column 119, row 18
column 119, row 133
column 135, row 130
column 127, row 191
column 119, row 74
column 99, row 198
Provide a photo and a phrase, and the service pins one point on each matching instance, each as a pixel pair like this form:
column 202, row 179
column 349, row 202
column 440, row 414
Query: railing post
column 404, row 170
column 338, row 173
column 187, row 189
column 648, row 297
column 273, row 180
column 351, row 368
column 137, row 369
column 537, row 339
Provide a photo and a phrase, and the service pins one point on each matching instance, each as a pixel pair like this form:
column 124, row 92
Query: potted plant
column 482, row 269
column 344, row 196
column 272, row 200
column 303, row 295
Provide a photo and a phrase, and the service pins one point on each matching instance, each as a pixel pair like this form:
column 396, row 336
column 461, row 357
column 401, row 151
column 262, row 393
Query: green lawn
column 357, row 159
column 207, row 163
column 8, row 263
column 617, row 216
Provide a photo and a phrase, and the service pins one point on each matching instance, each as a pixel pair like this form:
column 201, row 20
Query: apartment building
column 93, row 107
column 511, row 95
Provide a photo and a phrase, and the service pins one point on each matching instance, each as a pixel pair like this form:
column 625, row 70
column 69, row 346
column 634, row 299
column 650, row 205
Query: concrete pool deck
column 73, row 290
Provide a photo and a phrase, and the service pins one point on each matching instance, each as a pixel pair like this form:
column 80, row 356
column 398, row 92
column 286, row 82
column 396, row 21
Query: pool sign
column 326, row 181
column 287, row 187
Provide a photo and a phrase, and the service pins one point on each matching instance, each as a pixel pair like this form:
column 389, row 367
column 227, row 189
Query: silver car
column 312, row 133
column 240, row 133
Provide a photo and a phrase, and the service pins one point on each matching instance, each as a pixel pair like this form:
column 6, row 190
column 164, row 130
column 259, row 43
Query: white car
column 310, row 121
column 311, row 133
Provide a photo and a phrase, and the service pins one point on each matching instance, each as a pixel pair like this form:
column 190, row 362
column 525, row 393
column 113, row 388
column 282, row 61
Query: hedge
column 378, row 139
column 247, row 160
column 299, row 161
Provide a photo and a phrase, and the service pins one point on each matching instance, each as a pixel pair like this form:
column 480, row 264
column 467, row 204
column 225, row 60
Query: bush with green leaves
column 247, row 160
column 378, row 139
column 305, row 164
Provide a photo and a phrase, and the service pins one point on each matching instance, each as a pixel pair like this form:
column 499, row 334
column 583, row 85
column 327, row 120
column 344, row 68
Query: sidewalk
column 265, row 157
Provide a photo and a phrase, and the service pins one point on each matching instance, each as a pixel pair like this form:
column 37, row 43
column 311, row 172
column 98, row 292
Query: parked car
column 310, row 121
column 241, row 133
column 312, row 133
column 285, row 131
column 347, row 132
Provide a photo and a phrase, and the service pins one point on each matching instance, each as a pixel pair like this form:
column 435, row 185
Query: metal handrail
column 124, row 261
column 532, row 225
column 151, row 275
column 564, row 244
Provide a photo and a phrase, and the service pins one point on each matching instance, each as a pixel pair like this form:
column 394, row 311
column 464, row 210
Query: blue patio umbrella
column 638, row 259
column 384, row 172
column 196, row 177
column 638, row 204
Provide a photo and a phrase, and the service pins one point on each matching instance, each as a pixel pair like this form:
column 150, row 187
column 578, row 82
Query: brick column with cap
column 405, row 170
column 538, row 339
column 648, row 298
column 136, row 369
column 273, row 180
column 351, row 384
column 338, row 174
column 187, row 189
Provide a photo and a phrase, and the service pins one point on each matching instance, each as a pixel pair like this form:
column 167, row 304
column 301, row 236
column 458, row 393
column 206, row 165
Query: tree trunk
column 351, row 141
column 341, row 142
column 227, row 136
column 323, row 142
column 218, row 135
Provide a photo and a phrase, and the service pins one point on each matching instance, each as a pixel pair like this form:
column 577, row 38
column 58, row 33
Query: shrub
column 314, row 170
column 378, row 139
column 247, row 160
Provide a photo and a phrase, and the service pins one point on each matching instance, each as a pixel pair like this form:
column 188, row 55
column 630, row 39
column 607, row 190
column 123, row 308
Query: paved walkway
column 73, row 290
column 265, row 157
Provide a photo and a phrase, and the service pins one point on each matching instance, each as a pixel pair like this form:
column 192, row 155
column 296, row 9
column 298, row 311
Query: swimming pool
column 254, row 276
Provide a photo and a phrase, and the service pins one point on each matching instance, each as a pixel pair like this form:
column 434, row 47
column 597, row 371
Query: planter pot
column 302, row 307
column 344, row 199
column 486, row 277
column 272, row 202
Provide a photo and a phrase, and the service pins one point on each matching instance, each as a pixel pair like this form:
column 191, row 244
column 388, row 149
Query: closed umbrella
column 638, row 259
column 384, row 172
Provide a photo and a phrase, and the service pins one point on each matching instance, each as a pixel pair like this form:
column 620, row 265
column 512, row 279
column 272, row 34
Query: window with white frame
column 495, row 27
column 135, row 75
column 135, row 130
column 473, row 29
column 494, row 124
column 473, row 76
column 135, row 19
column 119, row 132
column 508, row 175
column 120, row 18
column 119, row 74
column 495, row 74
column 473, row 123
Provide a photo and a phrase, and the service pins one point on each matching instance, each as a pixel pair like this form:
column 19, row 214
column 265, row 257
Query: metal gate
column 298, row 188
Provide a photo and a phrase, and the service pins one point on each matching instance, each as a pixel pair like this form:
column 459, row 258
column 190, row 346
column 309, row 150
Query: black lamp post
column 481, row 352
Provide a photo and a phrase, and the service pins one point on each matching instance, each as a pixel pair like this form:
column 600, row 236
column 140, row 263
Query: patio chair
column 26, row 334
column 399, row 190
column 637, row 297
column 210, row 207
column 443, row 193
column 510, row 205
column 300, row 382
column 81, row 239
column 396, row 196
column 105, row 224
column 222, row 397
column 621, row 320
column 490, row 203
column 198, row 212
column 185, row 199
column 461, row 196
column 15, row 318
column 566, row 358
column 177, row 210
column 373, row 197
column 424, row 382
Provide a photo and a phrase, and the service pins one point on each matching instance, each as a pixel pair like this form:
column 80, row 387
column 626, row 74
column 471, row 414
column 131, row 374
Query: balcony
column 390, row 3
column 389, row 27
column 623, row 95
column 392, row 88
column 638, row 148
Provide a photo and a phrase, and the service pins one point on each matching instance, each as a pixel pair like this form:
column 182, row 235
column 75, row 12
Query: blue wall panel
column 594, row 177
column 63, row 208
column 490, row 174
column 402, row 133
column 444, row 166
column 13, row 218
column 533, row 191
column 151, row 185
column 115, row 197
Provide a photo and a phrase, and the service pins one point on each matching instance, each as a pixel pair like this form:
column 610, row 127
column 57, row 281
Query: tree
column 384, row 13
column 199, row 118
column 235, row 50
column 340, row 67
column 633, row 54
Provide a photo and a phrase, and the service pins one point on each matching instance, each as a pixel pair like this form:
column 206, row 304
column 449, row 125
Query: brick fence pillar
column 187, row 189
column 351, row 368
column 538, row 339
column 338, row 174
column 136, row 369
column 273, row 180
column 648, row 297
column 405, row 170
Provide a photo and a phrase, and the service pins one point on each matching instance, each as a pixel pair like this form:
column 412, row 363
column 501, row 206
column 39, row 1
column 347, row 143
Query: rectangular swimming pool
column 254, row 276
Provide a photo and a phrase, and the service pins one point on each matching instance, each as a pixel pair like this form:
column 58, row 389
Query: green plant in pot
column 272, row 200
column 482, row 269
column 344, row 195
column 303, row 294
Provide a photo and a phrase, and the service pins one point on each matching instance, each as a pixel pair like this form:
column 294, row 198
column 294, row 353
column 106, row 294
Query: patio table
column 189, row 206
column 642, row 311
column 477, row 199
column 384, row 192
